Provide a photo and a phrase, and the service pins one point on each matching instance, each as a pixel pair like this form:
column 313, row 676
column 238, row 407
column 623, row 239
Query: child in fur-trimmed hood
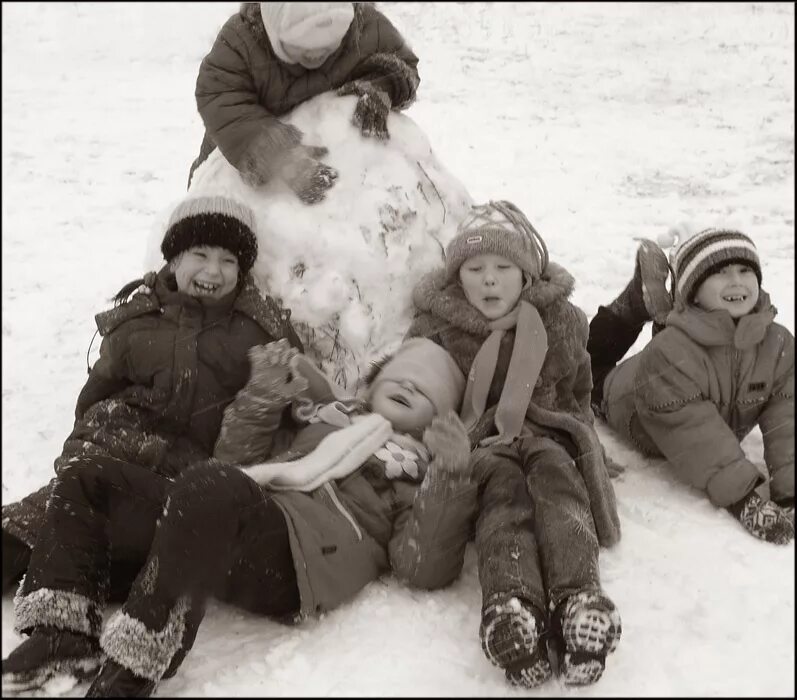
column 717, row 366
column 501, row 308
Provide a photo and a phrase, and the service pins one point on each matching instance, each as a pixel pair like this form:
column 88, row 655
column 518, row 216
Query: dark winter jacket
column 243, row 86
column 168, row 367
column 560, row 403
column 347, row 532
column 699, row 387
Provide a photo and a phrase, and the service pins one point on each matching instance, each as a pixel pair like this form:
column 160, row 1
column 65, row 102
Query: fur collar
column 449, row 303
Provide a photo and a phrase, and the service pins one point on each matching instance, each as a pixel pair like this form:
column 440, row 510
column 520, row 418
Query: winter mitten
column 272, row 377
column 306, row 175
column 449, row 447
column 512, row 634
column 116, row 681
column 50, row 654
column 373, row 106
column 764, row 519
column 588, row 625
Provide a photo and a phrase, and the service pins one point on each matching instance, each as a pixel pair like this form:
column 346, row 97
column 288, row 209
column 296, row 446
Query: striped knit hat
column 700, row 255
column 213, row 221
column 497, row 227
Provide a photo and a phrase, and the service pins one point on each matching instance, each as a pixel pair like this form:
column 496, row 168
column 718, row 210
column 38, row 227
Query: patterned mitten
column 272, row 378
column 764, row 519
column 373, row 107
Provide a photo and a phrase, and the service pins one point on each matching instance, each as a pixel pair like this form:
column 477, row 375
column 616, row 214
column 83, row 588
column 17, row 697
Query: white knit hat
column 307, row 25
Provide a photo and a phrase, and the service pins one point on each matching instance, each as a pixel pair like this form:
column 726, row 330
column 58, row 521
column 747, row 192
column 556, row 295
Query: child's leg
column 583, row 616
column 220, row 535
column 61, row 598
column 514, row 618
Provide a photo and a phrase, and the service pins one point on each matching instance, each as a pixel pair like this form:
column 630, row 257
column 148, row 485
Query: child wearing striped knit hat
column 717, row 366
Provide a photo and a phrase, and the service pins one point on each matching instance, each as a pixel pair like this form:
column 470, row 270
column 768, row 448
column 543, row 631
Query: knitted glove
column 447, row 441
column 273, row 378
column 306, row 175
column 373, row 106
column 764, row 519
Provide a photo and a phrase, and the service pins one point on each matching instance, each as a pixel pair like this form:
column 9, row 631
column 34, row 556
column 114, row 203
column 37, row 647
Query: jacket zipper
column 342, row 509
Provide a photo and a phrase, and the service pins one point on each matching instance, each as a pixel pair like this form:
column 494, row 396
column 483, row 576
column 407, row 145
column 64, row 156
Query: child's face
column 733, row 288
column 491, row 283
column 206, row 272
column 402, row 404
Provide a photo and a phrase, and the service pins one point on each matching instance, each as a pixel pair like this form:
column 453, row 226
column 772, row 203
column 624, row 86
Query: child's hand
column 373, row 107
column 273, row 375
column 448, row 444
column 764, row 519
column 307, row 176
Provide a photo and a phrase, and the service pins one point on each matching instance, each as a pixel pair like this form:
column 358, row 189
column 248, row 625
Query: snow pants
column 232, row 543
column 535, row 537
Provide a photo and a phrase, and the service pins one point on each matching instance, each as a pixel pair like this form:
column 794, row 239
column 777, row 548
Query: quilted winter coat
column 699, row 387
column 243, row 86
column 156, row 396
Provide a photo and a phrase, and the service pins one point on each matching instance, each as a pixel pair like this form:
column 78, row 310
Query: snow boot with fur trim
column 51, row 654
column 589, row 627
column 512, row 634
column 116, row 681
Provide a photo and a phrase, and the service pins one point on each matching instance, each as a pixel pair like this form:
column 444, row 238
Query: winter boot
column 589, row 627
column 50, row 653
column 646, row 298
column 116, row 681
column 512, row 634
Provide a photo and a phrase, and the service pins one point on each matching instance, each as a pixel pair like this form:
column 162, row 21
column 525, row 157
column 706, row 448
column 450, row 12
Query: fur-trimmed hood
column 448, row 302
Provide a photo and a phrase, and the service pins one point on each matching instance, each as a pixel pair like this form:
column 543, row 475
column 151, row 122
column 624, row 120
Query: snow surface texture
column 346, row 266
column 601, row 121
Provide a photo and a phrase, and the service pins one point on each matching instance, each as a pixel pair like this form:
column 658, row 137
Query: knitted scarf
column 528, row 355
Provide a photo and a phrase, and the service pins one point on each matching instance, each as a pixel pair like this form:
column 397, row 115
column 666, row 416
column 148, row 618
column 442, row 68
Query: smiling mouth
column 205, row 288
column 735, row 297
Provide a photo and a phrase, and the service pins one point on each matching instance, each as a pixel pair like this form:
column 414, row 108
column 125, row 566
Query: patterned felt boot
column 646, row 298
column 590, row 628
column 50, row 654
column 512, row 634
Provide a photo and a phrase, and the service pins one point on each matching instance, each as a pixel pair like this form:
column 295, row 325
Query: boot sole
column 654, row 270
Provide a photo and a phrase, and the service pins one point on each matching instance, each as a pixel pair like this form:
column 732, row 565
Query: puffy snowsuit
column 699, row 387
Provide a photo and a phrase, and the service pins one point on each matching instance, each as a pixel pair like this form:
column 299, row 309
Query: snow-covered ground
column 602, row 121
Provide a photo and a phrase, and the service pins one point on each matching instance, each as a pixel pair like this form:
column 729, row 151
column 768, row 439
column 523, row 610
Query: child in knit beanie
column 170, row 362
column 360, row 488
column 269, row 57
column 719, row 367
column 501, row 308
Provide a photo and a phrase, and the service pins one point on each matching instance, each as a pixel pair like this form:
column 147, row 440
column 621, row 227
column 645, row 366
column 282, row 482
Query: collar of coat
column 265, row 311
column 449, row 302
column 715, row 328
column 249, row 12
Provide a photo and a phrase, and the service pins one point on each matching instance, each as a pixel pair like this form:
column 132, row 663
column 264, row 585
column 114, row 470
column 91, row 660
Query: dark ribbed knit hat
column 497, row 227
column 213, row 221
column 701, row 255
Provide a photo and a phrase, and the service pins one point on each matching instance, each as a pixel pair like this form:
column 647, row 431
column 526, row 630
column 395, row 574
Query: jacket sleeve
column 107, row 377
column 389, row 64
column 427, row 549
column 248, row 429
column 777, row 423
column 687, row 428
column 582, row 382
column 228, row 103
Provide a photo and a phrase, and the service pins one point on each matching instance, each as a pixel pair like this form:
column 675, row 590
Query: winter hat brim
column 212, row 221
column 500, row 228
column 430, row 368
column 701, row 255
column 308, row 25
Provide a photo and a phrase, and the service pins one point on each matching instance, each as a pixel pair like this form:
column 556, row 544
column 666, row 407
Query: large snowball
column 347, row 265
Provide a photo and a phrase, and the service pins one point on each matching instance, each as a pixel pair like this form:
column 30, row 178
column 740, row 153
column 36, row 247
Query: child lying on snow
column 271, row 56
column 501, row 308
column 363, row 487
column 719, row 366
